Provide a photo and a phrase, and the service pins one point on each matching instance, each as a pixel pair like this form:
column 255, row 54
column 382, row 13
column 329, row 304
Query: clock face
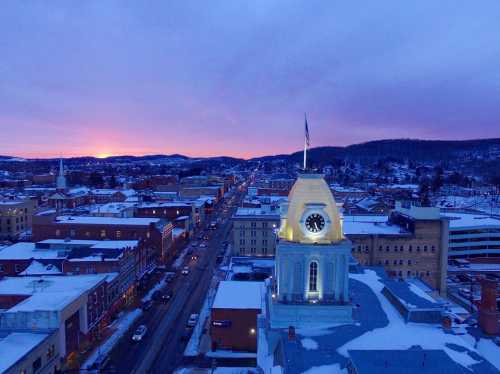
column 315, row 222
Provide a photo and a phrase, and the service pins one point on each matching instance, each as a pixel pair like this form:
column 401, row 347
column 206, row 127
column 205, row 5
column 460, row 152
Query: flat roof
column 16, row 345
column 371, row 228
column 469, row 220
column 106, row 220
column 411, row 361
column 239, row 295
column 49, row 293
column 25, row 251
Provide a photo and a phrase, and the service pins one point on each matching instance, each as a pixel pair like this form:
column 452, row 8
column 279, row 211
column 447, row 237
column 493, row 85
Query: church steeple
column 61, row 179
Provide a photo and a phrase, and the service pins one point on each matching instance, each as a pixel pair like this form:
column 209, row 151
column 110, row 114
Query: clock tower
column 312, row 259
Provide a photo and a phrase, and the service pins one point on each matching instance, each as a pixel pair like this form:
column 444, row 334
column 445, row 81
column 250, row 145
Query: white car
column 185, row 270
column 203, row 245
column 193, row 318
column 139, row 333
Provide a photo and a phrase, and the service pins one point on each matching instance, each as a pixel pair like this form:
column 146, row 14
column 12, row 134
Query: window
column 410, row 248
column 359, row 248
column 1, row 268
column 264, row 225
column 395, row 262
column 103, row 233
column 17, row 268
column 366, row 248
column 400, row 262
column 264, row 242
column 401, row 249
column 387, row 249
column 313, row 276
column 425, row 248
column 37, row 364
column 380, row 248
column 253, row 242
column 58, row 232
column 409, row 262
column 253, row 224
column 118, row 234
column 408, row 273
column 418, row 248
column 395, row 248
column 72, row 233
column 252, row 250
column 87, row 234
column 253, row 233
column 242, row 241
column 433, row 248
column 428, row 273
column 242, row 233
column 387, row 262
column 51, row 351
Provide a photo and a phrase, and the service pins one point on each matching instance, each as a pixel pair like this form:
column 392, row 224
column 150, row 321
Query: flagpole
column 305, row 153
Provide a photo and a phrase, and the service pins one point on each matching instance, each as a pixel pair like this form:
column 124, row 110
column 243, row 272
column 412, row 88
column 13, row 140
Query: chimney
column 291, row 333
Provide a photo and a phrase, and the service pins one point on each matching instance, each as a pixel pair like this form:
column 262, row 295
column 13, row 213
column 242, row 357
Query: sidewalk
column 120, row 327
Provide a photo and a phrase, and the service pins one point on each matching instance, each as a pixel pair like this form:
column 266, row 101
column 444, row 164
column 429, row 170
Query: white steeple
column 61, row 179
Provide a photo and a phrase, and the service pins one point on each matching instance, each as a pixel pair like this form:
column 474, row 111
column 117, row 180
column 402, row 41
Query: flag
column 307, row 131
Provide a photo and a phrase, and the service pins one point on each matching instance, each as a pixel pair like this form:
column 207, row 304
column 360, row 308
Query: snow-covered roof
column 24, row 251
column 112, row 208
column 107, row 220
column 16, row 345
column 239, row 295
column 244, row 212
column 371, row 228
column 49, row 293
column 466, row 220
column 37, row 268
column 177, row 231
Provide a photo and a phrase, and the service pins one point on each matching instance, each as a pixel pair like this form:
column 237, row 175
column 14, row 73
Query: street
column 161, row 349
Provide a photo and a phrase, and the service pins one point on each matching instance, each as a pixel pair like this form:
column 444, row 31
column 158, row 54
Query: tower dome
column 311, row 215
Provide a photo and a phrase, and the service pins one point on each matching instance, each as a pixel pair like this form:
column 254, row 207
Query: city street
column 161, row 349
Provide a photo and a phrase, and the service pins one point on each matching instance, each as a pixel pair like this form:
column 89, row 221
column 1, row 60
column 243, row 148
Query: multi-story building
column 473, row 235
column 29, row 351
column 254, row 231
column 15, row 217
column 412, row 242
column 156, row 234
column 72, row 305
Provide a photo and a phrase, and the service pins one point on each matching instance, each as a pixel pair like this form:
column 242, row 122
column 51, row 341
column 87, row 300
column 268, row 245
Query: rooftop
column 49, row 294
column 238, row 295
column 468, row 220
column 106, row 220
column 18, row 344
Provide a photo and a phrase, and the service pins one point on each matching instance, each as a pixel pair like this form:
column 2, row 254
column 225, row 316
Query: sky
column 235, row 77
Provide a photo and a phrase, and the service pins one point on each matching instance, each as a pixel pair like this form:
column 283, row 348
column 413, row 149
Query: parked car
column 167, row 296
column 193, row 319
column 139, row 333
column 147, row 305
column 203, row 245
column 185, row 270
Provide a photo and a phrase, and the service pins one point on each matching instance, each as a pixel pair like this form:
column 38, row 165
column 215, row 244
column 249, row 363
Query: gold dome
column 310, row 194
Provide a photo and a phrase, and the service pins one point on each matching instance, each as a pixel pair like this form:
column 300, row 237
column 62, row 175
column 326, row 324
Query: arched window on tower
column 313, row 276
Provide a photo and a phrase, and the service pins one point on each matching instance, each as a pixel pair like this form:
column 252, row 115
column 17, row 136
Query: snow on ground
column 326, row 369
column 319, row 329
column 180, row 260
column 157, row 287
column 392, row 336
column 309, row 344
column 265, row 358
column 486, row 347
column 192, row 348
column 419, row 292
column 122, row 325
column 232, row 354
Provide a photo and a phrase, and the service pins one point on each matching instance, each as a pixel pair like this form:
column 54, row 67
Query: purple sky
column 235, row 77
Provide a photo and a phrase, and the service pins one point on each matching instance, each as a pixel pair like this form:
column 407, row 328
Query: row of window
column 253, row 250
column 396, row 248
column 253, row 233
column 18, row 219
column 102, row 233
column 254, row 242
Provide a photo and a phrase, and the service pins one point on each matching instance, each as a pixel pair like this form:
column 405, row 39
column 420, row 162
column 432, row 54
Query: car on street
column 139, row 333
column 194, row 257
column 165, row 298
column 147, row 305
column 193, row 319
column 203, row 245
column 185, row 270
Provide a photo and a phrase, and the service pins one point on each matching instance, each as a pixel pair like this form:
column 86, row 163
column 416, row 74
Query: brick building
column 233, row 317
column 413, row 242
column 155, row 234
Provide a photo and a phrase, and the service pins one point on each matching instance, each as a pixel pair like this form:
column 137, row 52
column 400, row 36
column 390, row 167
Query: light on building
column 273, row 296
column 252, row 331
